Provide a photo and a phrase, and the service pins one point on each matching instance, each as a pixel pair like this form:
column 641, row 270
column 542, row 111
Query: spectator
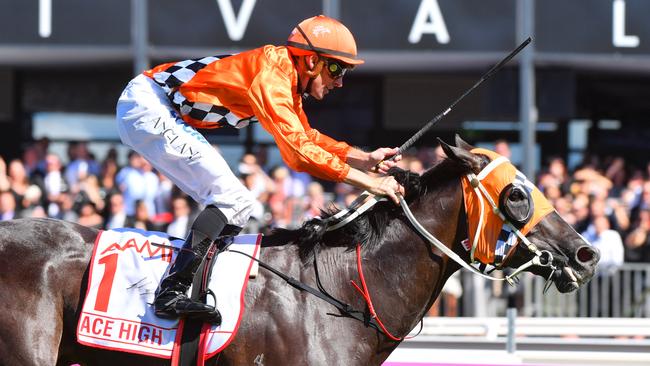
column 637, row 243
column 7, row 206
column 90, row 190
column 502, row 148
column 109, row 169
column 88, row 216
column 558, row 172
column 67, row 211
column 610, row 208
column 314, row 201
column 53, row 184
column 256, row 220
column 180, row 226
column 81, row 164
column 19, row 181
column 32, row 203
column 163, row 201
column 259, row 182
column 281, row 202
column 608, row 241
column 5, row 185
column 141, row 218
column 132, row 182
column 151, row 182
column 580, row 209
column 447, row 303
column 117, row 217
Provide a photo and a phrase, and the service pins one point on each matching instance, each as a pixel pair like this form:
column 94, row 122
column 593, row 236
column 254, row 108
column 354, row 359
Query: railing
column 620, row 293
column 556, row 327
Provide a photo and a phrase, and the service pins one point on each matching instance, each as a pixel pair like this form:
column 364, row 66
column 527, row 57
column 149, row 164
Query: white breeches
column 149, row 124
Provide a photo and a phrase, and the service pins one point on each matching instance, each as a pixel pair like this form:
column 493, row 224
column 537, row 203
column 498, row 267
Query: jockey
column 159, row 112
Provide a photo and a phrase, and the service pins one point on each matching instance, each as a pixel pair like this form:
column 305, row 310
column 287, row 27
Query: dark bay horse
column 44, row 270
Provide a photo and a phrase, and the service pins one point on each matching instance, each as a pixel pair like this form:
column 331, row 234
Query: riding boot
column 227, row 235
column 171, row 297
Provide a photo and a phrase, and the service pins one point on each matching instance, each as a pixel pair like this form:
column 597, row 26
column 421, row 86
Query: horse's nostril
column 586, row 254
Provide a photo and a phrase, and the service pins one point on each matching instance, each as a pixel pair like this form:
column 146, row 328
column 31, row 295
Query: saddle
column 125, row 269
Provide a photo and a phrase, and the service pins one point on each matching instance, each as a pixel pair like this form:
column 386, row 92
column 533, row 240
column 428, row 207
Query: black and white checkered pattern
column 182, row 72
column 521, row 179
column 484, row 268
column 507, row 237
column 506, row 240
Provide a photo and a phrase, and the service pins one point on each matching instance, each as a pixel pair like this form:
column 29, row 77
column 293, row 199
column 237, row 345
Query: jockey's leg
column 150, row 125
column 171, row 299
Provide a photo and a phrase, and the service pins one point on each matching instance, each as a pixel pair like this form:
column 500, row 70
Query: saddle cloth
column 125, row 270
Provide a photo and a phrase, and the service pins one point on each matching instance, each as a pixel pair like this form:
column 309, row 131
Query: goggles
column 335, row 69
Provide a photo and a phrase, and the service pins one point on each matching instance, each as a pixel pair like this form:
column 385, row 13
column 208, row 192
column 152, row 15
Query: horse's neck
column 405, row 274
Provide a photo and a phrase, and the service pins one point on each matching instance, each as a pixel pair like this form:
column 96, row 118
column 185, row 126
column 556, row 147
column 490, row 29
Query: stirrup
column 182, row 306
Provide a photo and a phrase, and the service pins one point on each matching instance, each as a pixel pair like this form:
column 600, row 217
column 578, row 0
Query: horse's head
column 511, row 224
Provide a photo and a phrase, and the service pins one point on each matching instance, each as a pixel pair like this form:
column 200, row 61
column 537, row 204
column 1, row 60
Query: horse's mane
column 370, row 227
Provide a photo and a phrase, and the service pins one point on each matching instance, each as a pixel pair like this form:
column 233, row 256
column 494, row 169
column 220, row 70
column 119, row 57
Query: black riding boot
column 171, row 298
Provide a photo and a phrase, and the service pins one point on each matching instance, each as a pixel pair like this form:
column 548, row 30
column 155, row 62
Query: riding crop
column 405, row 146
column 356, row 208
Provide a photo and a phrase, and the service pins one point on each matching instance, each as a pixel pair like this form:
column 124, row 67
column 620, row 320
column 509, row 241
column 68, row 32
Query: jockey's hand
column 386, row 186
column 377, row 159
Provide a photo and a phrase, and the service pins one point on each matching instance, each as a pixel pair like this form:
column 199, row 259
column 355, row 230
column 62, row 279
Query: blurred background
column 571, row 111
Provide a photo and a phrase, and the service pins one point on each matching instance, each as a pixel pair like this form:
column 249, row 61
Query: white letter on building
column 619, row 38
column 429, row 20
column 44, row 18
column 236, row 25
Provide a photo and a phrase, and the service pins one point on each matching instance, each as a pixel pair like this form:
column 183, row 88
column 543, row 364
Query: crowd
column 101, row 193
column 604, row 199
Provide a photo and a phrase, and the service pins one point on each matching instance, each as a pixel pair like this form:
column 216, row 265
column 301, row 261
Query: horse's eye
column 516, row 195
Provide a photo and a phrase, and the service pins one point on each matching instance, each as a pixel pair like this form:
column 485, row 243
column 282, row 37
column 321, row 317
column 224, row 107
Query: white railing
column 620, row 293
column 558, row 327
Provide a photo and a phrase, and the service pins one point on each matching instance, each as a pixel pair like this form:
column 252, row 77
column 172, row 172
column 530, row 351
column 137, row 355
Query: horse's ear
column 461, row 156
column 462, row 144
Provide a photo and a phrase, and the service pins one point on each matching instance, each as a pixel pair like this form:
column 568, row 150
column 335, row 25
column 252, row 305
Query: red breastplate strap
column 363, row 290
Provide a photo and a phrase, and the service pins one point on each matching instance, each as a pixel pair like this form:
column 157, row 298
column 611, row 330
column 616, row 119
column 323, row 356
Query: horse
column 44, row 273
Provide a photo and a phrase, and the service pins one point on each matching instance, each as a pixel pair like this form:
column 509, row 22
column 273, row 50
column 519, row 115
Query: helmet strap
column 313, row 74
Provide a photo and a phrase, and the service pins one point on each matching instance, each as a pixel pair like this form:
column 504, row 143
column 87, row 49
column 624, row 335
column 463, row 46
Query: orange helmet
column 326, row 37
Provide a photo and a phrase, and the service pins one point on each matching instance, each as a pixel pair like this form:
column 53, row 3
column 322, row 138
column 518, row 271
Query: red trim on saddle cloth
column 242, row 297
column 366, row 296
column 494, row 182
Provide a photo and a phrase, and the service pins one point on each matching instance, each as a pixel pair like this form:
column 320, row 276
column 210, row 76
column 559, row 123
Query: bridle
column 542, row 258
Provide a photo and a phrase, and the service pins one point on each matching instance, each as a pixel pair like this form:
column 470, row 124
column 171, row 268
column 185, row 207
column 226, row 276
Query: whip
column 405, row 146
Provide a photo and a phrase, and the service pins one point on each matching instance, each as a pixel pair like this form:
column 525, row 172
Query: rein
column 369, row 318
